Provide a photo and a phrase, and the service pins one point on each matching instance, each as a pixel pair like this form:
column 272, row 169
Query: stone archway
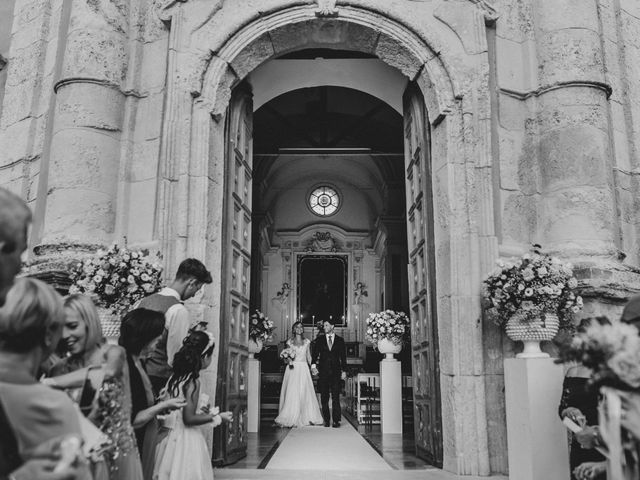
column 453, row 81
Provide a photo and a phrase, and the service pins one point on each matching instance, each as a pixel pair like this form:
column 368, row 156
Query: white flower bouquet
column 117, row 277
column 534, row 284
column 260, row 327
column 288, row 355
column 393, row 326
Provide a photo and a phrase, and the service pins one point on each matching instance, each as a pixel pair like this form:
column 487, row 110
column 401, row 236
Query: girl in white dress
column 182, row 454
column 298, row 401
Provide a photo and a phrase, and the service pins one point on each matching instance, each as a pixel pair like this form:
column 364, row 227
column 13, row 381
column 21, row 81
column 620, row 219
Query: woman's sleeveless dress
column 298, row 400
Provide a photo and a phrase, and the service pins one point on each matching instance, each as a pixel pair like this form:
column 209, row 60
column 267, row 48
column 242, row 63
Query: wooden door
column 230, row 441
column 421, row 270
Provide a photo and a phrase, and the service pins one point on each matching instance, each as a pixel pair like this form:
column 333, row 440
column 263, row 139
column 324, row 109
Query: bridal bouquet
column 260, row 327
column 117, row 278
column 534, row 284
column 288, row 355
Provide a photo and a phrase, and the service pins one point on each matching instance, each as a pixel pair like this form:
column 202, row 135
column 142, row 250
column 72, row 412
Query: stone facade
column 113, row 127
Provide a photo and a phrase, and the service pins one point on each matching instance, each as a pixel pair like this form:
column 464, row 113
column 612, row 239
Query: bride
column 298, row 401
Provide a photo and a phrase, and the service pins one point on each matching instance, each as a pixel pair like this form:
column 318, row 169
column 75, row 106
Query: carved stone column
column 577, row 214
column 83, row 171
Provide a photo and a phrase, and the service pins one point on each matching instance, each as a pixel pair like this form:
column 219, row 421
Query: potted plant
column 116, row 279
column 387, row 331
column 532, row 298
column 260, row 330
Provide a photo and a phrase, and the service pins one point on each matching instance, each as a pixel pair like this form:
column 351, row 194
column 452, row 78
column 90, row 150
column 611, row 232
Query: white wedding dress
column 298, row 401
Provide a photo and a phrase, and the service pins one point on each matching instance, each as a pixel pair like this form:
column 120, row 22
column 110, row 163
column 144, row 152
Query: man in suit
column 329, row 361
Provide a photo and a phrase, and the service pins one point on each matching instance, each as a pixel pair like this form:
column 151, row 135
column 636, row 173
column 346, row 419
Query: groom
column 330, row 355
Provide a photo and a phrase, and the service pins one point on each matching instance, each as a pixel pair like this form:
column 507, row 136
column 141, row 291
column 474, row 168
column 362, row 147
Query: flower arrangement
column 260, row 327
column 534, row 284
column 393, row 326
column 288, row 355
column 611, row 351
column 117, row 277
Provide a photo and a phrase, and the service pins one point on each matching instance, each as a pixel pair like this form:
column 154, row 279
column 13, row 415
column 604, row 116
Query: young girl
column 182, row 454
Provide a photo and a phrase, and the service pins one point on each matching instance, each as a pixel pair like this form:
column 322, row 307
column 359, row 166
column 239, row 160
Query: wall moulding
column 522, row 95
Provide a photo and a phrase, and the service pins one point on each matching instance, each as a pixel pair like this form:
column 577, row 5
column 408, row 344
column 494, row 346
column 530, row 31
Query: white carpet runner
column 322, row 448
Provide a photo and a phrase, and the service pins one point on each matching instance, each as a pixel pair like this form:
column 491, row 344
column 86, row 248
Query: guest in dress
column 33, row 417
column 579, row 403
column 298, row 400
column 96, row 375
column 139, row 331
column 183, row 453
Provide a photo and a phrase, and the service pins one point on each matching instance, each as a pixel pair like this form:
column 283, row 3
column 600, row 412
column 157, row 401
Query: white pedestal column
column 537, row 440
column 390, row 396
column 253, row 395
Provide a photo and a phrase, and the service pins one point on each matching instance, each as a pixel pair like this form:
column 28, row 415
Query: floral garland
column 260, row 327
column 393, row 326
column 534, row 284
column 117, row 278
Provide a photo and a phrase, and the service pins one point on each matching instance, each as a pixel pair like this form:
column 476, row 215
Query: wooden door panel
column 230, row 440
column 421, row 271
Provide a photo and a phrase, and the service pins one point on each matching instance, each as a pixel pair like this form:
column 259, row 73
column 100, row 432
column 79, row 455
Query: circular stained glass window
column 324, row 201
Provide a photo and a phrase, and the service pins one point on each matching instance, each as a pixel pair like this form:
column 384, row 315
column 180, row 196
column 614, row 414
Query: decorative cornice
column 327, row 8
column 605, row 87
column 62, row 248
column 96, row 81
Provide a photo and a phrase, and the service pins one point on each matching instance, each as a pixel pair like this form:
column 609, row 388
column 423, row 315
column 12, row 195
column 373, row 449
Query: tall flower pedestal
column 255, row 346
column 390, row 388
column 253, row 394
column 536, row 439
column 387, row 347
column 531, row 332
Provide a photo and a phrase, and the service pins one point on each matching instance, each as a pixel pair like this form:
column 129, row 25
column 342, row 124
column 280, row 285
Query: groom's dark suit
column 330, row 364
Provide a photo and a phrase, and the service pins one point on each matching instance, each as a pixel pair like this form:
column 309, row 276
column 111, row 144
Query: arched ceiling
column 327, row 118
column 336, row 133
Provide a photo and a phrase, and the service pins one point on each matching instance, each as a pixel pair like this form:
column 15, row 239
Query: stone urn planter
column 255, row 346
column 531, row 332
column 387, row 347
column 110, row 324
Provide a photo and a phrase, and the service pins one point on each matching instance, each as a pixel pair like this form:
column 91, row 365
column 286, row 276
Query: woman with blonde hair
column 81, row 335
column 31, row 414
column 95, row 375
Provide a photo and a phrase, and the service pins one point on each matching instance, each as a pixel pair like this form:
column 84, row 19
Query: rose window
column 324, row 201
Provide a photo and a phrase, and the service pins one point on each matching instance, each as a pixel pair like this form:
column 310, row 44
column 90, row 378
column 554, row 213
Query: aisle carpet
column 321, row 448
